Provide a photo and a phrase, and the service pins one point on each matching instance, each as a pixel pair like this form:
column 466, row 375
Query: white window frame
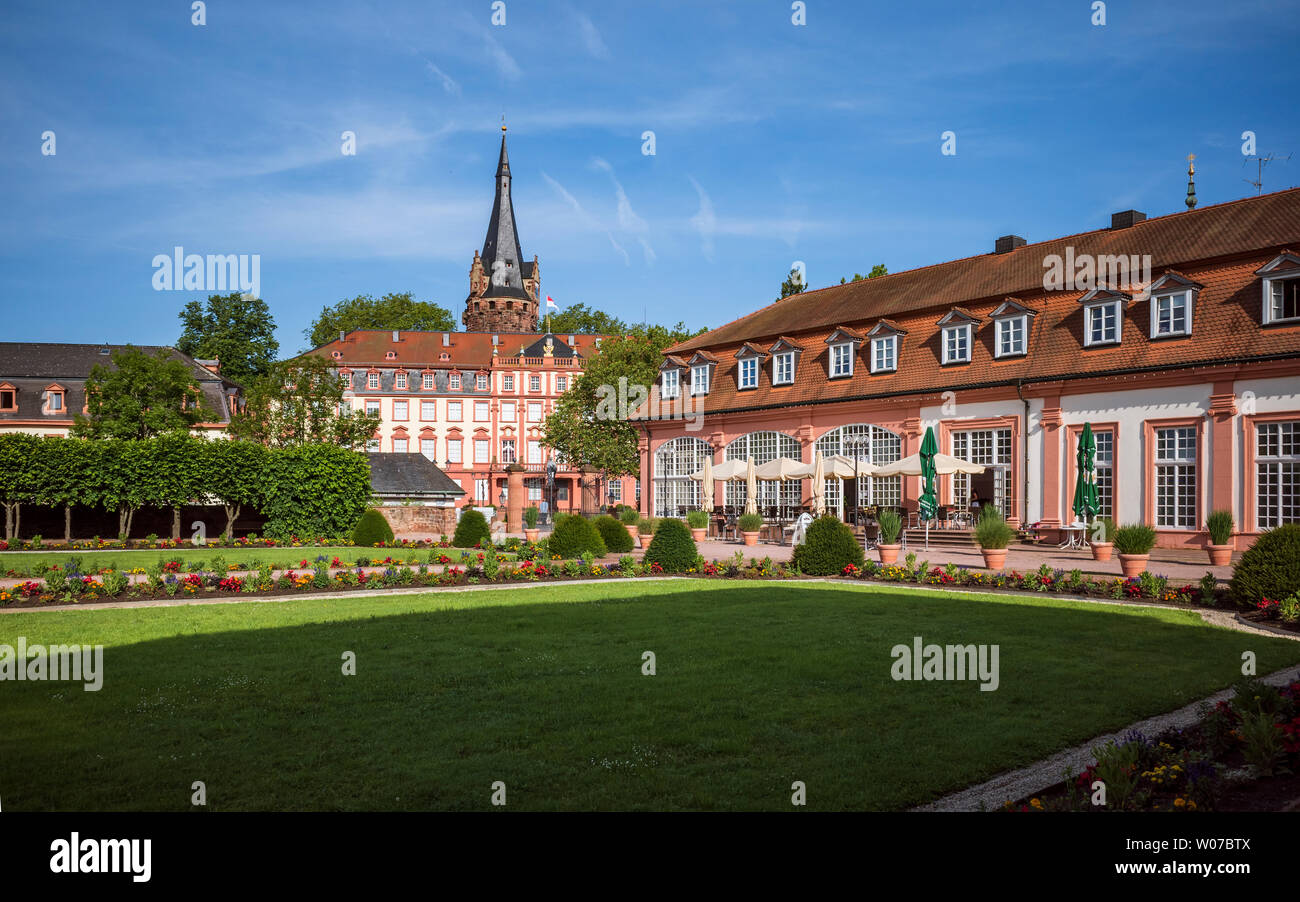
column 878, row 345
column 509, row 413
column 534, row 451
column 453, row 381
column 509, row 454
column 841, row 360
column 1092, row 310
column 534, row 383
column 1281, row 282
column 747, row 373
column 426, row 382
column 455, row 412
column 372, row 381
column 507, row 381
column 1185, row 294
column 1004, row 326
column 1280, row 504
column 482, row 451
column 964, row 331
column 482, row 412
column 535, row 411
column 700, row 379
column 778, row 361
column 481, row 382
column 670, row 384
column 399, row 381
column 373, row 408
column 401, row 410
column 429, row 447
column 1178, row 466
column 429, row 411
column 372, row 444
column 401, row 445
column 454, row 450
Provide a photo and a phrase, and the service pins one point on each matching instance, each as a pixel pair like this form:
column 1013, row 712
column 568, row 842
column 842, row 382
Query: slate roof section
column 502, row 241
column 409, row 476
column 32, row 366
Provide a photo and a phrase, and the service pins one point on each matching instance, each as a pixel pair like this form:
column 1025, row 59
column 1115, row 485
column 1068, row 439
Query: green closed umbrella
column 1085, row 484
column 929, row 502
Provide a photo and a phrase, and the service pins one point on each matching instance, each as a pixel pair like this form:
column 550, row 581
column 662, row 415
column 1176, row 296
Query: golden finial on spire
column 1191, row 183
column 503, row 122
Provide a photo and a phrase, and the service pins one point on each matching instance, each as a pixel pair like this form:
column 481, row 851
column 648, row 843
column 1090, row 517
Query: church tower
column 502, row 287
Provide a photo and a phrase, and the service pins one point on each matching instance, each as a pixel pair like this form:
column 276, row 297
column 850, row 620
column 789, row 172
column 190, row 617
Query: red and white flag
column 551, row 303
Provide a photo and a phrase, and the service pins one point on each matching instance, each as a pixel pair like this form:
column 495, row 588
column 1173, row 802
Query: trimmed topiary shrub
column 829, row 546
column 472, row 529
column 1269, row 569
column 371, row 529
column 672, row 547
column 575, row 535
column 614, row 534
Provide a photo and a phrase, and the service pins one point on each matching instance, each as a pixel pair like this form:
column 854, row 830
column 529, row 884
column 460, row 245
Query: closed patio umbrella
column 944, row 465
column 928, row 505
column 819, row 485
column 1086, row 504
column 751, row 487
column 782, row 468
column 706, row 485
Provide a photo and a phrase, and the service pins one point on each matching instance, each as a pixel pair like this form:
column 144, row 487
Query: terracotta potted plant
column 698, row 521
column 630, row 517
column 530, row 524
column 1101, row 537
column 1134, row 543
column 891, row 526
column 750, row 526
column 645, row 530
column 1219, row 525
column 993, row 535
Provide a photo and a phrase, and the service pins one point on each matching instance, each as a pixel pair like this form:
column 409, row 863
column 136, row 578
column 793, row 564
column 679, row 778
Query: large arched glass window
column 765, row 446
column 880, row 446
column 675, row 461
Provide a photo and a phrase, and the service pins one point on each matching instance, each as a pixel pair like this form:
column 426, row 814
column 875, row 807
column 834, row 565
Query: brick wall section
column 419, row 520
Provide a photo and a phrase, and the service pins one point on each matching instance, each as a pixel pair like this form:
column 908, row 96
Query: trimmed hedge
column 1269, row 569
column 574, row 536
column 471, row 529
column 372, row 529
column 614, row 534
column 672, row 547
column 829, row 546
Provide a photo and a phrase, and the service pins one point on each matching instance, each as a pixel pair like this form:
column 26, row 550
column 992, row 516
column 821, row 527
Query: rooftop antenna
column 1260, row 163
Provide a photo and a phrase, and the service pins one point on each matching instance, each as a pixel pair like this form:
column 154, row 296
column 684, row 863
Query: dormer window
column 8, row 398
column 54, row 400
column 957, row 336
column 1011, row 330
column 842, row 346
column 1103, row 317
column 886, row 339
column 372, row 381
column 481, row 381
column 1172, row 298
column 700, row 379
column 785, row 360
column 1281, row 288
column 426, row 381
column 454, row 381
column 391, row 355
column 669, row 385
column 399, row 381
column 748, row 358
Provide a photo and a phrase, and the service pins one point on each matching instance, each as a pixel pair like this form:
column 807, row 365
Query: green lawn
column 22, row 561
column 758, row 685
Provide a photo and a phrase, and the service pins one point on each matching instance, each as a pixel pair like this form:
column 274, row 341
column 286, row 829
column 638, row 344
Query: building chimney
column 446, row 339
column 1125, row 219
column 397, row 336
column 343, row 336
column 1008, row 243
column 496, row 340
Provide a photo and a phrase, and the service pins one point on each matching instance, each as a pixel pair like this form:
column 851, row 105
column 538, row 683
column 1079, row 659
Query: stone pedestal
column 516, row 499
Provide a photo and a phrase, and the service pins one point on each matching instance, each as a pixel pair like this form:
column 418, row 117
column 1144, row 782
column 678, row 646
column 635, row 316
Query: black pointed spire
column 502, row 258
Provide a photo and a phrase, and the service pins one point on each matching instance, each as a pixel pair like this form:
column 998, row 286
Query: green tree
column 18, row 477
column 236, row 329
column 63, row 470
column 581, row 319
column 392, row 311
column 301, row 402
column 581, row 428
column 877, row 270
column 234, row 473
column 794, row 284
column 140, row 396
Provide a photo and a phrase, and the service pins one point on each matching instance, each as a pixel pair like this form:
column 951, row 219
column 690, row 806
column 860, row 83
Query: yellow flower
column 1036, row 803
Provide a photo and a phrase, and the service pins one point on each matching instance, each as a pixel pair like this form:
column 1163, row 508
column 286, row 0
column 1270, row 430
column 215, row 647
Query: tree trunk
column 232, row 514
column 18, row 520
column 176, row 524
column 9, row 521
column 67, row 524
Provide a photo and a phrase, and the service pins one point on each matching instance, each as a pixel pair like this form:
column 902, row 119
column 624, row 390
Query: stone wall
column 420, row 520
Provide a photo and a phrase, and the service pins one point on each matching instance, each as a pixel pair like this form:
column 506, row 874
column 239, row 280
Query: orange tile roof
column 466, row 350
column 1219, row 247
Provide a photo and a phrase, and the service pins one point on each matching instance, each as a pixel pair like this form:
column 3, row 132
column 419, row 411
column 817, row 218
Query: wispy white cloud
column 591, row 38
column 705, row 221
column 628, row 219
column 449, row 84
column 627, row 261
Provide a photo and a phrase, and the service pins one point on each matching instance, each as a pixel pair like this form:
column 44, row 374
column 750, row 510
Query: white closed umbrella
column 706, row 486
column 751, row 487
column 781, row 468
column 819, row 485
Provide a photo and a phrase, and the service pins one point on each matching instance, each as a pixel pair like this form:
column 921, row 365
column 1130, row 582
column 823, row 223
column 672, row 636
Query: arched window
column 880, row 446
column 675, row 461
column 765, row 446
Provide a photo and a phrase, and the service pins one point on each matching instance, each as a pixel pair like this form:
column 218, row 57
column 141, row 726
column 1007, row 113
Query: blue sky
column 774, row 143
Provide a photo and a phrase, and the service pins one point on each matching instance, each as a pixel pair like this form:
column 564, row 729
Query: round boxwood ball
column 829, row 546
column 371, row 529
column 472, row 529
column 672, row 547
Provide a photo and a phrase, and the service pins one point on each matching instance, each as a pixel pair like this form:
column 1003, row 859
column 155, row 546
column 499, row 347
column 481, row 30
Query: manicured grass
column 23, row 561
column 758, row 685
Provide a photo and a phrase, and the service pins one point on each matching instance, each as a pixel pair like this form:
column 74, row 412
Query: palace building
column 1190, row 379
column 473, row 402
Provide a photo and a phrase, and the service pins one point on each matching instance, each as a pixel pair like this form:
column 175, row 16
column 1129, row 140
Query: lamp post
column 550, row 486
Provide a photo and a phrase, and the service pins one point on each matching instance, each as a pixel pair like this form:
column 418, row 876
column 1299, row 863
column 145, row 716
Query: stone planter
column 631, row 530
column 750, row 538
column 643, row 539
column 994, row 558
column 1133, row 565
column 1101, row 550
column 1220, row 555
column 697, row 535
column 888, row 553
column 530, row 534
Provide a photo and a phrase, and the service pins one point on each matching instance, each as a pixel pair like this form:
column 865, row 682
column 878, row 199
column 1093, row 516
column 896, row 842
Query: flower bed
column 37, row 543
column 1242, row 756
